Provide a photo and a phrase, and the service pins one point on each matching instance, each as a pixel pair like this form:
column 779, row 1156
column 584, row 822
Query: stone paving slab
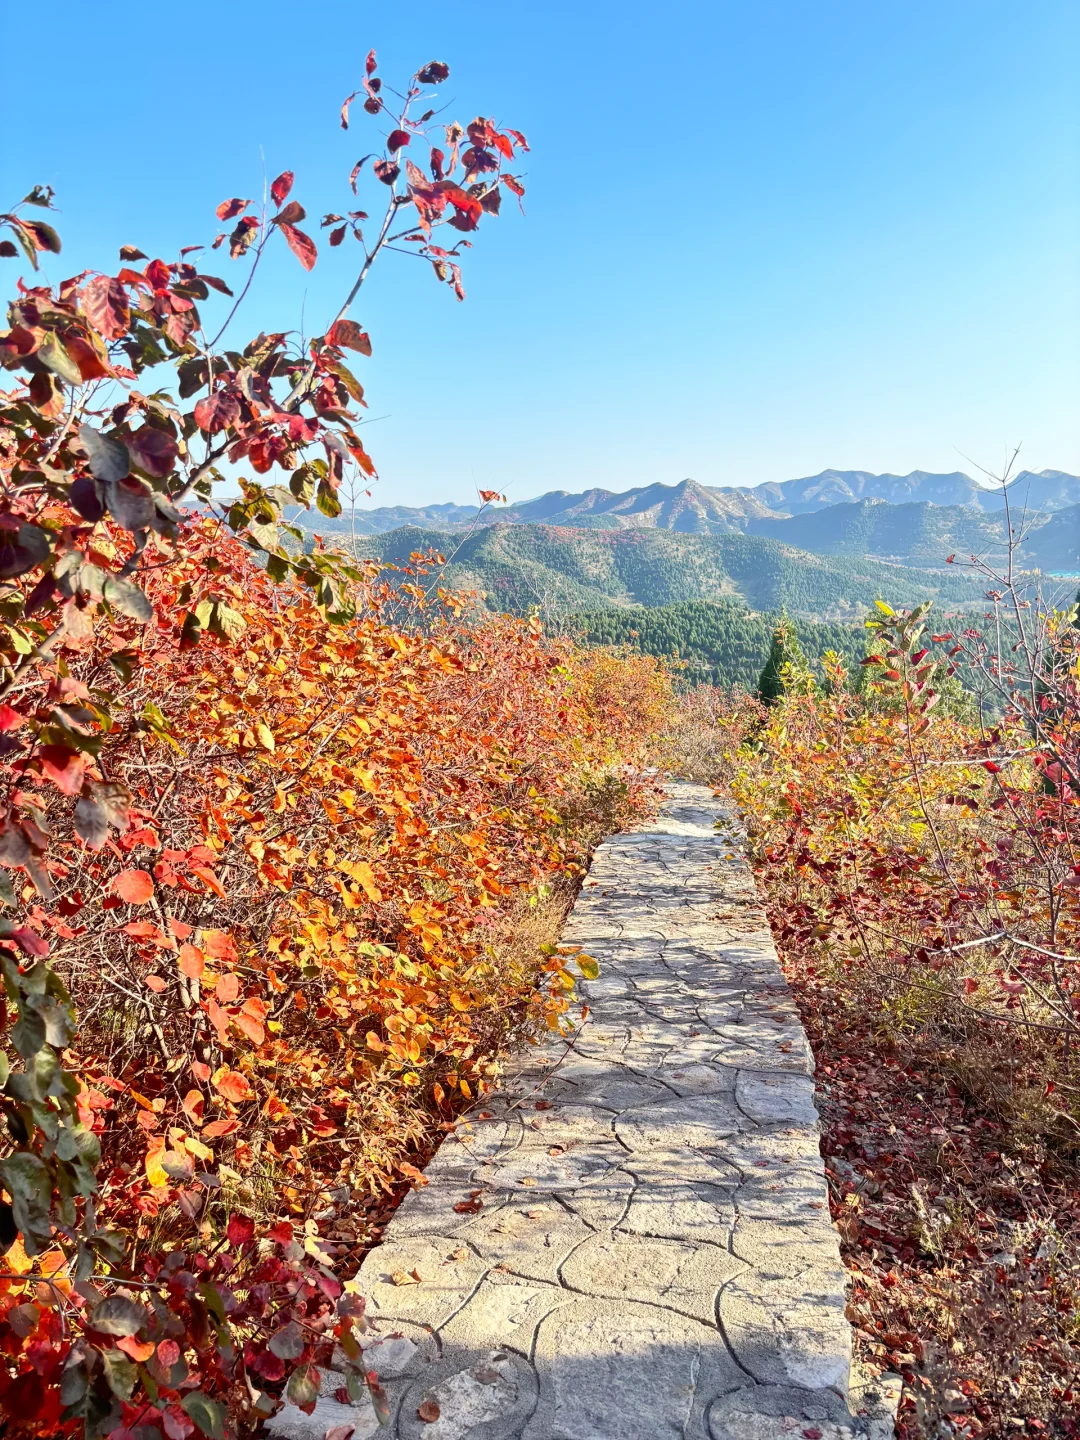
column 652, row 1256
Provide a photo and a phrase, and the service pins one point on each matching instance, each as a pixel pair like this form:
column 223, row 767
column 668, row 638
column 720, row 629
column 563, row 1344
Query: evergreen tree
column 785, row 666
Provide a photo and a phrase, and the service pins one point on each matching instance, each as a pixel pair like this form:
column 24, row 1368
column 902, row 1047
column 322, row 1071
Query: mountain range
column 703, row 509
column 825, row 547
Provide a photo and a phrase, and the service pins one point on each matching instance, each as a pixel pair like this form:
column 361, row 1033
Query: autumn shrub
column 283, row 847
column 922, row 874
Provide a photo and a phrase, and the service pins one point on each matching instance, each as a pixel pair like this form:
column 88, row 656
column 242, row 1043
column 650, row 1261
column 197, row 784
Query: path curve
column 636, row 1245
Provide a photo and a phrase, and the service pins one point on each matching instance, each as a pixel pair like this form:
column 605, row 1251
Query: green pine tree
column 785, row 667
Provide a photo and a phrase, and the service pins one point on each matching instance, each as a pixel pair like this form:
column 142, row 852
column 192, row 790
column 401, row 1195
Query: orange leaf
column 250, row 1027
column 136, row 1348
column 209, row 879
column 191, row 961
column 228, row 987
column 136, row 887
column 218, row 944
column 194, row 1103
column 155, row 983
column 232, row 1085
column 217, row 1128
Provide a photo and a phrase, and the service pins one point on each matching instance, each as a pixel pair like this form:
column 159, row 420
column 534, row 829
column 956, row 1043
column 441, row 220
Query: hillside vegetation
column 519, row 568
column 718, row 643
column 920, row 872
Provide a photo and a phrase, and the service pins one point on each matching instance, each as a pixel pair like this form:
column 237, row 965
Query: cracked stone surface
column 651, row 1255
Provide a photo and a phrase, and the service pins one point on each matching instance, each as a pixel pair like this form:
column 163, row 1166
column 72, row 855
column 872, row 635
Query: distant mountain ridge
column 924, row 535
column 692, row 508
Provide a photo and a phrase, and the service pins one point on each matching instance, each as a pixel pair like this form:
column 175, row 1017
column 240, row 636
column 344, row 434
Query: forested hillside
column 518, row 568
column 722, row 643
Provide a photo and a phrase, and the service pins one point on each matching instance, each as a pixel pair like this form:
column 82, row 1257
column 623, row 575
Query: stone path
column 636, row 1245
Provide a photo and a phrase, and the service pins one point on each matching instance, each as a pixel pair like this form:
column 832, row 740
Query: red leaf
column 269, row 1366
column 386, row 171
column 64, row 767
column 345, row 109
column 279, row 190
column 428, row 1411
column 397, row 138
column 230, row 208
column 135, row 887
column 293, row 213
column 348, row 333
column 168, row 1352
column 241, row 238
column 152, row 450
column 240, row 1230
column 217, row 412
column 105, row 305
column 370, row 63
column 25, row 1396
column 10, row 719
column 159, row 275
column 336, row 236
column 433, row 73
column 30, row 942
column 302, row 246
column 512, row 184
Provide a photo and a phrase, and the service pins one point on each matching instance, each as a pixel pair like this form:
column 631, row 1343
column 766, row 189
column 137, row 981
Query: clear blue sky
column 760, row 239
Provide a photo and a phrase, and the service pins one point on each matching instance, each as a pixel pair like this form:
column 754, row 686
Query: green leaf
column 206, row 1414
column 120, row 1372
column 117, row 1315
column 109, row 460
column 126, row 597
column 327, row 501
column 302, row 1390
column 29, row 1182
column 228, row 622
column 28, row 1033
column 51, row 353
column 287, row 1343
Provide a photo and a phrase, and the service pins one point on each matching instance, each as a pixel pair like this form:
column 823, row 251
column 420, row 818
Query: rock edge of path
column 636, row 1244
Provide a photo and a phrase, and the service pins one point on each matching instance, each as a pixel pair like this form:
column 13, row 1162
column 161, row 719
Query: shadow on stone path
column 652, row 1254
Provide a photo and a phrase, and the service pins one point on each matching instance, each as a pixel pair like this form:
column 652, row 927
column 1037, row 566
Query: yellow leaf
column 155, row 1172
column 885, row 609
column 198, row 1149
column 265, row 736
column 17, row 1259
